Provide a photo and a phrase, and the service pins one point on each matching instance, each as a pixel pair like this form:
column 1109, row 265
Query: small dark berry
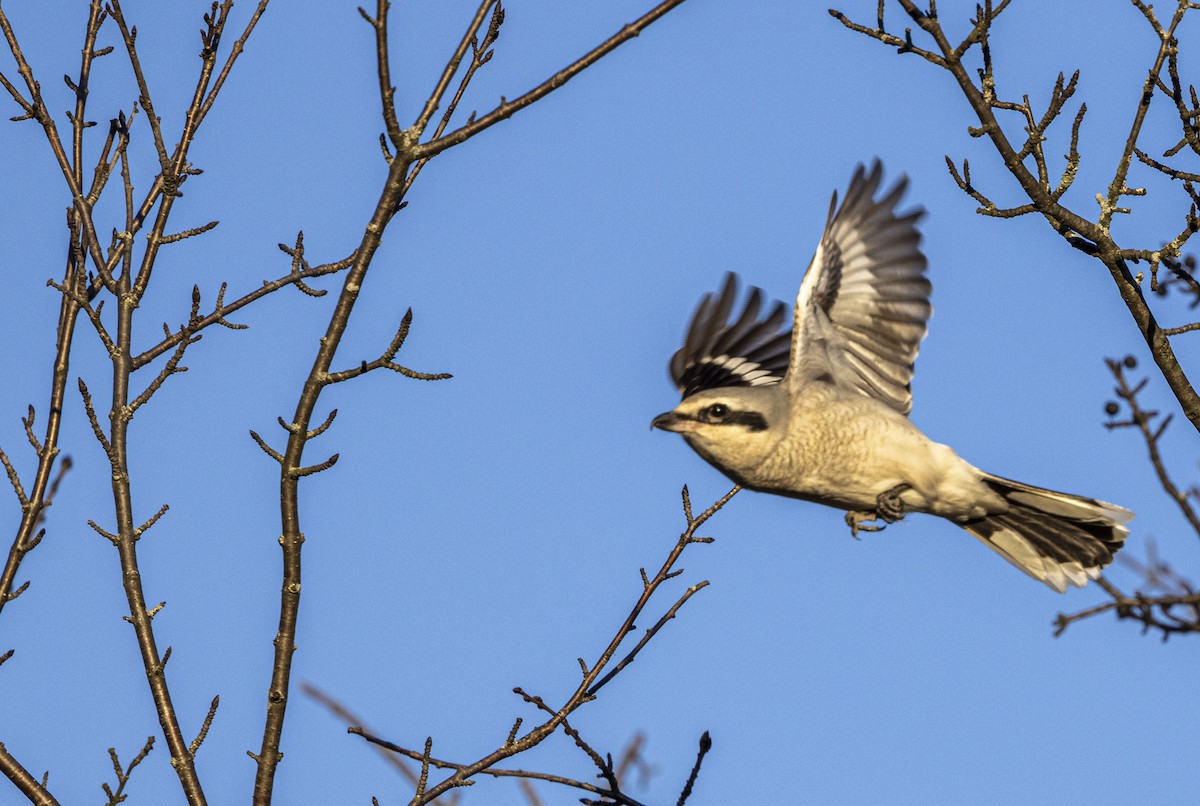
column 1130, row 362
column 1111, row 409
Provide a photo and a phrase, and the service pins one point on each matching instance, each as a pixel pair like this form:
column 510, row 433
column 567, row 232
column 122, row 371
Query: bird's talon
column 858, row 522
column 889, row 506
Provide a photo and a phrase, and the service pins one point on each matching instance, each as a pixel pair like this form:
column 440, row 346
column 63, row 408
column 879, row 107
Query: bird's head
column 734, row 428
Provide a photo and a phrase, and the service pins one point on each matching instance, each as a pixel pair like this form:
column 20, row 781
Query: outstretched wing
column 864, row 303
column 749, row 351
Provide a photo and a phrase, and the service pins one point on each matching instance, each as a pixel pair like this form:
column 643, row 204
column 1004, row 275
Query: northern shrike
column 822, row 413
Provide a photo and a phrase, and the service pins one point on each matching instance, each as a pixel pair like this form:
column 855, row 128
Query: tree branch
column 390, row 201
column 591, row 679
column 29, row 786
column 507, row 109
column 1093, row 238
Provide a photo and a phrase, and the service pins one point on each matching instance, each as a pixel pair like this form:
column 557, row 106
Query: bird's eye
column 716, row 412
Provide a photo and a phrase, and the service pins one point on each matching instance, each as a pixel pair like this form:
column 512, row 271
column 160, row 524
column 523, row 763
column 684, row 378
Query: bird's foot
column 889, row 508
column 859, row 522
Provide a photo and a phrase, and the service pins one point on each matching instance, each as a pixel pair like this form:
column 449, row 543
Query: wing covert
column 750, row 350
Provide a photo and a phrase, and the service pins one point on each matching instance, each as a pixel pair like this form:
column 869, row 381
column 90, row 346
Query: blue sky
column 483, row 532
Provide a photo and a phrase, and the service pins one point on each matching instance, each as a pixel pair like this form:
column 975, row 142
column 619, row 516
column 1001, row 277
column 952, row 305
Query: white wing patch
column 749, row 372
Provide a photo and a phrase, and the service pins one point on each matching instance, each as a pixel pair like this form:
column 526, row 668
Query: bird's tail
column 1057, row 538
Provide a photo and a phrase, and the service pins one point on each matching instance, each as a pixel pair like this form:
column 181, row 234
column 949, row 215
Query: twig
column 494, row 772
column 1151, row 433
column 194, row 747
column 346, row 715
column 443, row 83
column 387, row 92
column 507, row 109
column 650, row 633
column 301, row 271
column 385, row 361
column 123, row 773
column 705, row 746
column 481, row 53
column 1152, row 612
column 1157, row 612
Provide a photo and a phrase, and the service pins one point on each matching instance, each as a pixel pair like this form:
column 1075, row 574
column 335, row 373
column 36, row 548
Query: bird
column 820, row 411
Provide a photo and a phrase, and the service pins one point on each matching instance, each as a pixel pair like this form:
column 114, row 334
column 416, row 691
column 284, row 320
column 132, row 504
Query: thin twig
column 705, row 746
column 507, row 109
column 117, row 796
column 1151, row 433
column 494, row 772
column 350, row 718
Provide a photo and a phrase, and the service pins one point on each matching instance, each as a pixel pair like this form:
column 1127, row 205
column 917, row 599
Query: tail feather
column 1057, row 538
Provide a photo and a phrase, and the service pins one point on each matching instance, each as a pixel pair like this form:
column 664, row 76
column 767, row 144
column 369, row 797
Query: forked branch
column 1167, row 602
column 593, row 679
column 1091, row 236
column 409, row 152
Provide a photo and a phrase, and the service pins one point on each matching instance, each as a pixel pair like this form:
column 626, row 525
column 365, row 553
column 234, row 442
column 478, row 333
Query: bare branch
column 481, row 53
column 385, row 360
column 93, row 313
column 443, row 83
column 234, row 52
column 390, row 200
column 347, row 716
column 300, row 272
column 91, row 415
column 592, row 679
column 29, row 786
column 129, row 37
column 904, row 45
column 387, row 92
column 1093, row 238
column 116, row 796
column 109, row 536
column 650, row 633
column 1153, row 612
column 1151, row 434
column 172, row 366
column 507, row 109
column 494, row 772
column 315, row 432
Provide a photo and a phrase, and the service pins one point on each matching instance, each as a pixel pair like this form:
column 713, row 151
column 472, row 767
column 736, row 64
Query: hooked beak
column 671, row 421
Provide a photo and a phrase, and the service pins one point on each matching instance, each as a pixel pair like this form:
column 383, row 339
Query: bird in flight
column 821, row 412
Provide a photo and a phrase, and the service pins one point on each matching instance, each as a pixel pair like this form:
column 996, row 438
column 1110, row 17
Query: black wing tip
column 864, row 186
